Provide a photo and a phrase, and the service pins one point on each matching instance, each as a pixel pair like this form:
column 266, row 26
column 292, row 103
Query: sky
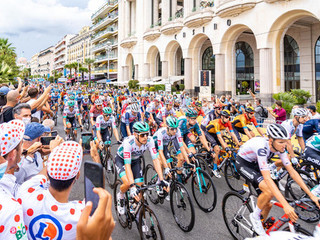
column 34, row 25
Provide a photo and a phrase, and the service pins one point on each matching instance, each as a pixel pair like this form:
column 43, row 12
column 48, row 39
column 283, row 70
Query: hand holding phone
column 46, row 140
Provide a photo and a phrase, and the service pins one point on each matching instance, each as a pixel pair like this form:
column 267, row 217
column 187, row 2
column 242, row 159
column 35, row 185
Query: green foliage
column 152, row 89
column 245, row 84
column 181, row 87
column 159, row 87
column 173, row 89
column 133, row 84
column 288, row 100
column 318, row 106
column 8, row 67
column 301, row 96
column 146, row 88
column 51, row 79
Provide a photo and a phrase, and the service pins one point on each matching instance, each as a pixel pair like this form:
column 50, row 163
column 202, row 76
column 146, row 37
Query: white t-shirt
column 37, row 114
column 316, row 116
column 43, row 215
column 288, row 124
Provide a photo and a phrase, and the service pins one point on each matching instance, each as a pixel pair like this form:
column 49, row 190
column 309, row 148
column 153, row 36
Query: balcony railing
column 104, row 69
column 107, row 4
column 108, row 18
column 104, row 44
column 108, row 29
column 105, row 57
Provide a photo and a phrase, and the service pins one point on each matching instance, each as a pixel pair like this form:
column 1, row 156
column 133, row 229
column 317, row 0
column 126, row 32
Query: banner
column 205, row 84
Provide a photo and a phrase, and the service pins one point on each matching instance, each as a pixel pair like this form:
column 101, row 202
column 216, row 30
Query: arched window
column 158, row 65
column 317, row 68
column 208, row 63
column 291, row 63
column 244, row 68
column 133, row 69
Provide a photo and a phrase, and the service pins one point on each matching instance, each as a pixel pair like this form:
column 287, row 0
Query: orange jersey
column 242, row 121
column 215, row 126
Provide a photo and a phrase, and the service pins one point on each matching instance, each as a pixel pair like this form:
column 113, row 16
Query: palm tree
column 8, row 60
column 88, row 62
column 68, row 66
column 83, row 70
column 5, row 72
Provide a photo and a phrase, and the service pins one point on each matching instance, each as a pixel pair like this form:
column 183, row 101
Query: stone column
column 174, row 8
column 127, row 20
column 220, row 74
column 165, row 69
column 146, row 71
column 266, row 81
column 155, row 11
column 188, row 75
column 126, row 73
column 136, row 70
column 133, row 17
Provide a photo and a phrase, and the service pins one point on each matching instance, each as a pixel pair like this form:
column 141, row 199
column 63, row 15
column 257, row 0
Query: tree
column 8, row 57
column 5, row 72
column 83, row 70
column 88, row 62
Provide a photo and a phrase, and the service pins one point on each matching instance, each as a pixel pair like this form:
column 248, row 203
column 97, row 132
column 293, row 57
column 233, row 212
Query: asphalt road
column 207, row 225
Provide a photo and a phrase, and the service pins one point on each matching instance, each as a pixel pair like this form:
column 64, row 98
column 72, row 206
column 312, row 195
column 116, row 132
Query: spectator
column 12, row 100
column 48, row 123
column 258, row 111
column 313, row 112
column 3, row 95
column 279, row 113
column 32, row 164
column 23, row 112
column 52, row 204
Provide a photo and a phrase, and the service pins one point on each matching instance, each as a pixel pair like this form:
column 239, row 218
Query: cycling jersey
column 201, row 113
column 67, row 113
column 55, row 97
column 257, row 150
column 208, row 118
column 152, row 108
column 101, row 124
column 241, row 121
column 165, row 113
column 128, row 117
column 94, row 113
column 183, row 126
column 129, row 151
column 162, row 138
column 216, row 126
column 85, row 102
column 312, row 144
column 310, row 127
column 288, row 124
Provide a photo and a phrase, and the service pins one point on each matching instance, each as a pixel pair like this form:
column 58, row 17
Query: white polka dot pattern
column 11, row 134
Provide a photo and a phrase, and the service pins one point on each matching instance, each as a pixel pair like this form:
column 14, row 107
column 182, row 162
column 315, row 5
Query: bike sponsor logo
column 316, row 161
column 45, row 227
column 127, row 155
column 262, row 152
column 249, row 175
column 159, row 142
column 154, row 151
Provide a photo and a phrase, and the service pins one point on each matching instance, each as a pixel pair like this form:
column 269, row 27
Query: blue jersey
column 55, row 97
column 310, row 127
column 184, row 127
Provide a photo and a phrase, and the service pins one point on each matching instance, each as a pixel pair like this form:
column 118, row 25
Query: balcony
column 104, row 21
column 102, row 34
column 232, row 8
column 102, row 58
column 104, row 8
column 172, row 26
column 200, row 16
column 102, row 46
column 102, row 70
column 129, row 41
column 152, row 34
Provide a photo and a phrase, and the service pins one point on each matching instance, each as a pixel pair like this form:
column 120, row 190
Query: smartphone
column 86, row 139
column 93, row 177
column 54, row 133
column 46, row 140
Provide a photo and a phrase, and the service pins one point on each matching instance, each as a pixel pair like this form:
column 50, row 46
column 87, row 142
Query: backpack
column 264, row 112
column 2, row 111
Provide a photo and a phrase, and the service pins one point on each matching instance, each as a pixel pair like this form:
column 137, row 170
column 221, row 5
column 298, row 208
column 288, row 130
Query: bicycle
column 238, row 222
column 179, row 198
column 71, row 136
column 109, row 164
column 148, row 224
column 86, row 120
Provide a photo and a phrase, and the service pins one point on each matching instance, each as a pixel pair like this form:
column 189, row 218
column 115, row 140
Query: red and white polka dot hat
column 65, row 161
column 11, row 134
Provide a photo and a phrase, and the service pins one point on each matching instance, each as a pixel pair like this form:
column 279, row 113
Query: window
column 291, row 63
column 244, row 68
column 317, row 68
column 158, row 65
column 208, row 63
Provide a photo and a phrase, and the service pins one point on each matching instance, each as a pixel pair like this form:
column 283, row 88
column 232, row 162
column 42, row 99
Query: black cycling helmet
column 225, row 113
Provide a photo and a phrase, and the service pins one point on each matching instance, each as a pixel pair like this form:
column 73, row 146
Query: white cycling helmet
column 277, row 131
column 300, row 112
column 134, row 107
column 98, row 102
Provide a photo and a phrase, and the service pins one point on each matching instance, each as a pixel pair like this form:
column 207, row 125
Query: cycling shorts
column 85, row 108
column 312, row 156
column 211, row 137
column 238, row 130
column 73, row 122
column 135, row 167
column 250, row 171
column 187, row 140
column 105, row 135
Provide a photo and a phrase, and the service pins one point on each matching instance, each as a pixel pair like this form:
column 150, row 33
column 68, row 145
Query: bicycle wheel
column 55, row 118
column 234, row 180
column 123, row 219
column 87, row 123
column 150, row 178
column 182, row 207
column 204, row 191
column 103, row 158
column 143, row 164
column 235, row 211
column 149, row 226
column 111, row 173
column 299, row 230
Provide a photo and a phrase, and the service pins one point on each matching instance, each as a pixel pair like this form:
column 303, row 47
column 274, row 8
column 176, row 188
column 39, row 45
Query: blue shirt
column 310, row 127
column 184, row 127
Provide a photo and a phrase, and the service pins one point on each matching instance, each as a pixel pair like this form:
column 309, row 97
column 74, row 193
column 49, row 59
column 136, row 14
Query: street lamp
column 108, row 49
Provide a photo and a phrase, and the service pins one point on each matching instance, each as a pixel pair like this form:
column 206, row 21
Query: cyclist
column 131, row 116
column 165, row 112
column 128, row 162
column 152, row 109
column 295, row 126
column 85, row 103
column 95, row 111
column 214, row 136
column 252, row 164
column 69, row 118
column 55, row 99
column 198, row 108
column 240, row 123
column 79, row 97
column 312, row 151
column 310, row 128
column 212, row 115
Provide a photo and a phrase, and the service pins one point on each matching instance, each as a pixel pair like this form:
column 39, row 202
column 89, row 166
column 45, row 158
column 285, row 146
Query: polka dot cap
column 11, row 134
column 65, row 161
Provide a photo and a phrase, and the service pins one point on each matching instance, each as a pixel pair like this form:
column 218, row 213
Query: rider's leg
column 263, row 202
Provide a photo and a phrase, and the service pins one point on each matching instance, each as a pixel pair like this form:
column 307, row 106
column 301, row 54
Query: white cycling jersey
column 152, row 108
column 165, row 113
column 163, row 138
column 130, row 151
column 70, row 114
column 257, row 150
column 288, row 124
column 101, row 124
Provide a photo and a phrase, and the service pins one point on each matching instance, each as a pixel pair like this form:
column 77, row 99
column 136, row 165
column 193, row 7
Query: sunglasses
column 144, row 135
column 107, row 115
column 226, row 117
column 173, row 129
column 193, row 119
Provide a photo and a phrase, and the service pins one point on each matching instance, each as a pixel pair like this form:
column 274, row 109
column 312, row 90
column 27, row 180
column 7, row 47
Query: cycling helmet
column 140, row 127
column 71, row 97
column 300, row 112
column 249, row 110
column 107, row 110
column 225, row 113
column 191, row 112
column 315, row 141
column 198, row 104
column 85, row 97
column 102, row 98
column 135, row 107
column 134, row 100
column 129, row 100
column 168, row 102
column 276, row 131
column 172, row 122
column 79, row 92
column 71, row 103
column 98, row 102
